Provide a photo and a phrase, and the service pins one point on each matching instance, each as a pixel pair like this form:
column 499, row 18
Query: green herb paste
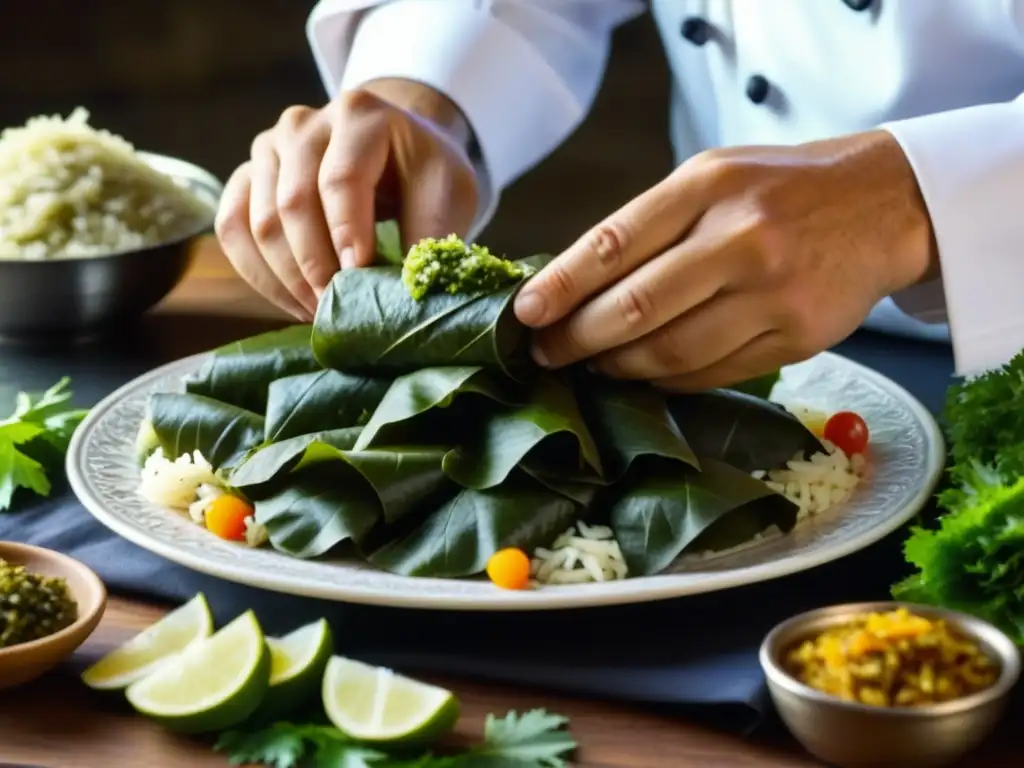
column 449, row 265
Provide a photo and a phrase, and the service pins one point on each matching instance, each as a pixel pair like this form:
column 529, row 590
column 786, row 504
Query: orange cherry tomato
column 225, row 517
column 509, row 569
column 848, row 432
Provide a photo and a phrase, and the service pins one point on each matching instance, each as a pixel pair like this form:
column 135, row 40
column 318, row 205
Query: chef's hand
column 306, row 202
column 741, row 261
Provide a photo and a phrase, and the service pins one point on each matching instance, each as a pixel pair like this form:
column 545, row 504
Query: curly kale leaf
column 974, row 560
column 985, row 422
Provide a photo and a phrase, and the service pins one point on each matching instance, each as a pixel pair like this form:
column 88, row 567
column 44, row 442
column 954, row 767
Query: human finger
column 353, row 163
column 764, row 354
column 235, row 237
column 637, row 232
column 696, row 340
column 266, row 223
column 666, row 287
column 438, row 200
column 300, row 142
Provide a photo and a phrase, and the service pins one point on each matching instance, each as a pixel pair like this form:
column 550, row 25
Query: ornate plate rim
column 641, row 589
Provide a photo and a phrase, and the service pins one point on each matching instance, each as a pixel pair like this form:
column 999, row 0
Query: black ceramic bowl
column 81, row 297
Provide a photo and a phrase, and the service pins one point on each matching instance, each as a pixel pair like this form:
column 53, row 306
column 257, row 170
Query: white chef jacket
column 943, row 76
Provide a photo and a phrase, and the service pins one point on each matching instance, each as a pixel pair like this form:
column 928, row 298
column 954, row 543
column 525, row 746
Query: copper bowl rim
column 84, row 619
column 992, row 640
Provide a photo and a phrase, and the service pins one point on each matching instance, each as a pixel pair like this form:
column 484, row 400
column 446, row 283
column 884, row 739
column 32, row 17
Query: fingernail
column 529, row 307
column 539, row 356
column 348, row 257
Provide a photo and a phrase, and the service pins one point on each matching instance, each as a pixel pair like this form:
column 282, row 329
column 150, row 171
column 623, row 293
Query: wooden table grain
column 57, row 723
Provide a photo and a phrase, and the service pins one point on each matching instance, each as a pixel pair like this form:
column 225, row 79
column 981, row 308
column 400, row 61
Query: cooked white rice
column 69, row 190
column 175, row 483
column 584, row 553
column 819, row 483
column 189, row 484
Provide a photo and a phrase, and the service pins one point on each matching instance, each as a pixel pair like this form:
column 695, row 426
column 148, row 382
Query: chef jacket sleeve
column 969, row 165
column 523, row 72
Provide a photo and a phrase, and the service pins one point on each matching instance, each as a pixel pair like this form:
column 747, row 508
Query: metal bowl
column 82, row 296
column 846, row 734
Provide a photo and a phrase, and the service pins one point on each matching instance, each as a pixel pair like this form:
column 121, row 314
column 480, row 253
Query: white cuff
column 970, row 167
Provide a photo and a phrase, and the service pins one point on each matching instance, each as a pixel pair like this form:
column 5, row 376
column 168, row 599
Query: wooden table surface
column 57, row 723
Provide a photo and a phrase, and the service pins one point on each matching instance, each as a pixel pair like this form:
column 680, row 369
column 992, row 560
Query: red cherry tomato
column 847, row 432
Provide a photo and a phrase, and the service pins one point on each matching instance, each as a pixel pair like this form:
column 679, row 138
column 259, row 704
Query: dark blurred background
column 199, row 78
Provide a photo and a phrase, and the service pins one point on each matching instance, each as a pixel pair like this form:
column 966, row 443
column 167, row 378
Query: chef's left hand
column 741, row 261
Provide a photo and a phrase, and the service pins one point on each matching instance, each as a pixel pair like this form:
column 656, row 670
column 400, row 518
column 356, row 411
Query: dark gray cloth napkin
column 698, row 651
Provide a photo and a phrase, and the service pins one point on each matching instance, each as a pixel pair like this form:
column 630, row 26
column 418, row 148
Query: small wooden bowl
column 25, row 662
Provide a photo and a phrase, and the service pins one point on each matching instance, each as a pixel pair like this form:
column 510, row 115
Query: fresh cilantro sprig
column 535, row 739
column 34, row 438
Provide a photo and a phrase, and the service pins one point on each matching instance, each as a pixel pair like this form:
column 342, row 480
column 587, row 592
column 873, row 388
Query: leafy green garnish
column 984, row 420
column 973, row 560
column 35, row 438
column 536, row 739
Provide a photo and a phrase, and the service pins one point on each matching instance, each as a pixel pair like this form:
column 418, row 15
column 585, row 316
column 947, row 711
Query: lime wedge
column 212, row 685
column 140, row 656
column 375, row 705
column 297, row 663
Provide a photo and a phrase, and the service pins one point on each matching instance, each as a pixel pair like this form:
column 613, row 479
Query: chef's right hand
column 305, row 204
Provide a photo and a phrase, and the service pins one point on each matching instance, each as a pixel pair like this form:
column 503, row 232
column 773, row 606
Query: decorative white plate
column 906, row 458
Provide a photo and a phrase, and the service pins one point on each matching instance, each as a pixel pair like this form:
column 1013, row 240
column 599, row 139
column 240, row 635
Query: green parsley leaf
column 34, row 438
column 534, row 740
column 19, row 471
column 281, row 745
column 287, row 745
column 52, row 411
column 337, row 754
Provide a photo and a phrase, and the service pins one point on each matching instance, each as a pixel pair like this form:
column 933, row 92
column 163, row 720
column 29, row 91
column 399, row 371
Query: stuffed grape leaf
column 183, row 423
column 367, row 323
column 458, row 536
column 743, row 431
column 400, row 477
column 320, row 401
column 420, row 434
column 407, row 409
column 664, row 507
column 508, row 435
column 241, row 373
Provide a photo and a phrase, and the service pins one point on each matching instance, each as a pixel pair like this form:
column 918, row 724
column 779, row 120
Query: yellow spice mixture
column 893, row 659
